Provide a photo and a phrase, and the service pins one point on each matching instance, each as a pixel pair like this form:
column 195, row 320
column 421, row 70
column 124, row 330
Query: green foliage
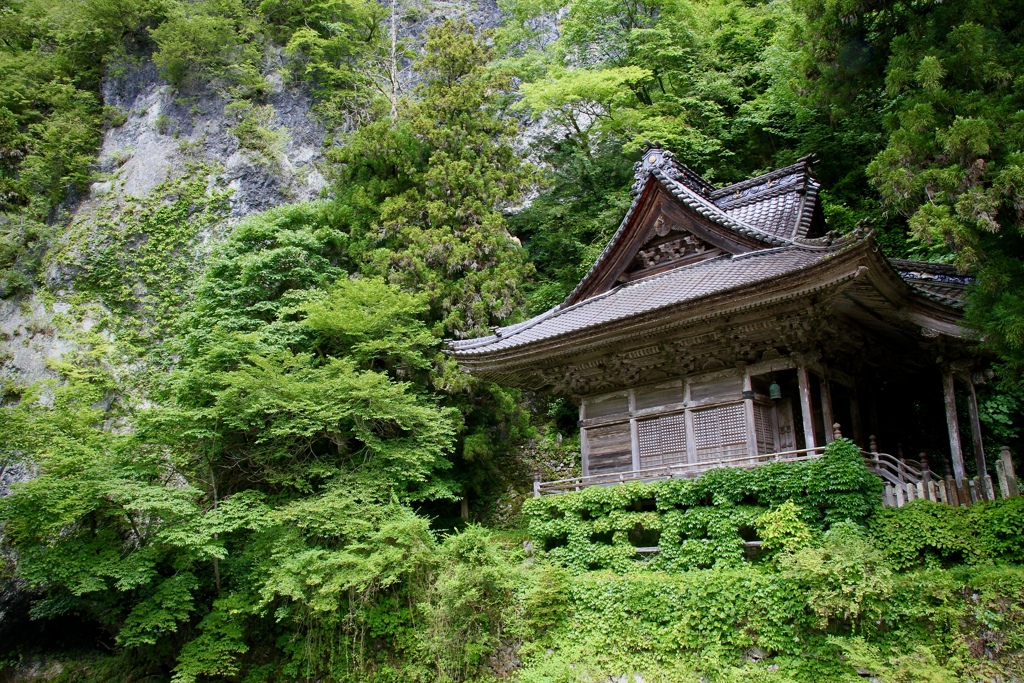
column 828, row 611
column 250, row 497
column 465, row 604
column 338, row 47
column 51, row 57
column 208, row 39
column 256, row 132
column 423, row 194
column 23, row 243
column 782, row 528
column 702, row 79
column 701, row 522
column 931, row 534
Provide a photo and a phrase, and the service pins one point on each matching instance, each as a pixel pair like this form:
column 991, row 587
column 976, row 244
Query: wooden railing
column 686, row 470
column 897, row 471
column 904, row 479
column 907, row 479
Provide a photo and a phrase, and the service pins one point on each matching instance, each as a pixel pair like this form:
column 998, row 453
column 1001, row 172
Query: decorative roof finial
column 658, row 159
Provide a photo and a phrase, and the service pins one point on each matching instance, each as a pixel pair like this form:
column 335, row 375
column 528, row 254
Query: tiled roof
column 938, row 281
column 712, row 210
column 780, row 203
column 950, row 296
column 680, row 285
column 697, row 201
column 774, row 208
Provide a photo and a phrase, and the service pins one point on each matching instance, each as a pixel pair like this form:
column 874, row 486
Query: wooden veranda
column 904, row 479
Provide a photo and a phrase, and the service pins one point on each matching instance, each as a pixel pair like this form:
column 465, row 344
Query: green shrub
column 923, row 533
column 214, row 39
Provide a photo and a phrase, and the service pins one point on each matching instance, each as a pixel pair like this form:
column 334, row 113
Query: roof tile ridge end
column 810, row 199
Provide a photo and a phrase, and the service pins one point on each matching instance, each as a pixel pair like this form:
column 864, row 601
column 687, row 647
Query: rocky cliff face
column 166, row 129
column 165, row 133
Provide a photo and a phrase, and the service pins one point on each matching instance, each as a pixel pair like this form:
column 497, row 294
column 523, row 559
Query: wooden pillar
column 979, row 446
column 584, row 444
column 691, row 438
column 855, row 417
column 634, row 443
column 748, row 409
column 825, row 389
column 634, row 432
column 806, row 412
column 949, row 392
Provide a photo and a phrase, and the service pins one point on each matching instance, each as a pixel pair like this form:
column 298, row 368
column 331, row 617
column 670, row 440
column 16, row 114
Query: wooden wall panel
column 609, row 449
column 721, row 389
column 603, row 406
column 659, row 395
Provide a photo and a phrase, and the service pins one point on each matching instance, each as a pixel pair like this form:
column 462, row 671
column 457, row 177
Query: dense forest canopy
column 249, row 466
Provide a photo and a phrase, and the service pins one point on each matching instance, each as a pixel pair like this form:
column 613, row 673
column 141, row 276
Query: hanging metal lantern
column 774, row 391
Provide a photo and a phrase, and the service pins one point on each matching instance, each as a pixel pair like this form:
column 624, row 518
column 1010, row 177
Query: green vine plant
column 712, row 521
column 138, row 257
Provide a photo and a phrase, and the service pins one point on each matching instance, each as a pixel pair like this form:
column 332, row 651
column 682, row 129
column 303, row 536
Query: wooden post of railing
column 953, row 496
column 536, row 482
column 873, row 446
column 925, row 487
column 836, row 431
column 1008, row 472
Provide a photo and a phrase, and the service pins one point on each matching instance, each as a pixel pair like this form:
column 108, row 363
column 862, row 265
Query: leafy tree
column 337, row 46
column 424, row 195
column 209, row 38
column 699, row 78
column 290, row 431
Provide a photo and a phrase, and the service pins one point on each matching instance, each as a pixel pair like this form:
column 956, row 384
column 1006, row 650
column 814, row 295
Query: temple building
column 728, row 327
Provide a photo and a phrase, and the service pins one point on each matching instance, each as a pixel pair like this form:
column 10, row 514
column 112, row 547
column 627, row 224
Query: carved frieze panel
column 667, row 242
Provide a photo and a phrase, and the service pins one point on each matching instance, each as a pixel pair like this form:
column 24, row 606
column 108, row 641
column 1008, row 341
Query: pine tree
column 427, row 188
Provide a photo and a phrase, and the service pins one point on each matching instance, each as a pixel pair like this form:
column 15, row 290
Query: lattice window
column 662, row 440
column 764, row 428
column 720, row 433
